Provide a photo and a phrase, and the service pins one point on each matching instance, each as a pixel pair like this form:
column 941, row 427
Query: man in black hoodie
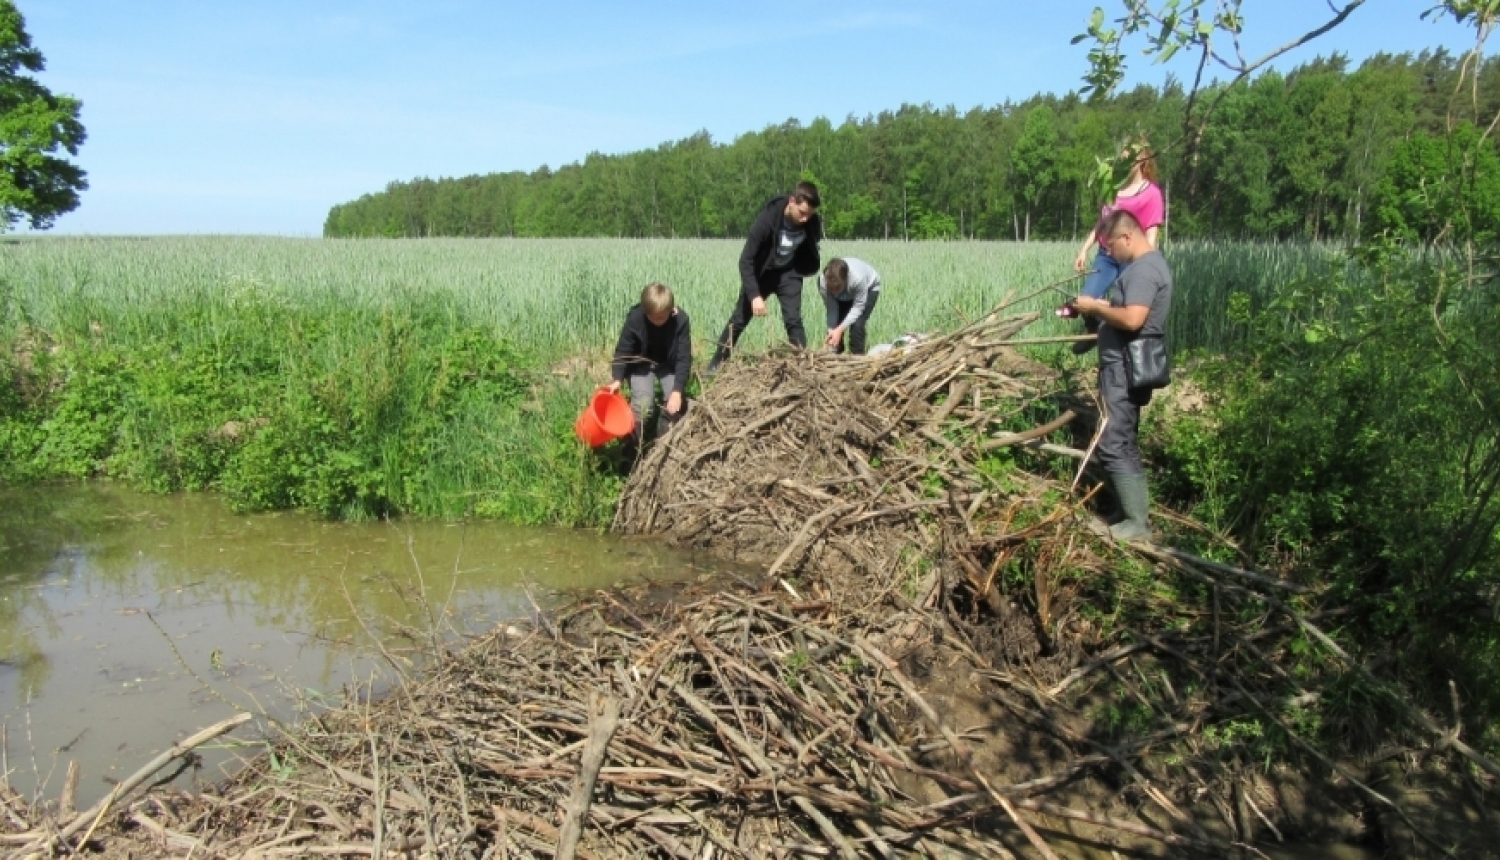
column 781, row 250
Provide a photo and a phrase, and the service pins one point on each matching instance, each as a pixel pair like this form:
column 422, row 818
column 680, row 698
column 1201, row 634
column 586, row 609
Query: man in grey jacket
column 1135, row 306
column 850, row 289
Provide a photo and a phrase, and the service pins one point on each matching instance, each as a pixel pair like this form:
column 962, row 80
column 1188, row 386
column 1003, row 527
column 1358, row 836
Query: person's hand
column 613, row 387
column 835, row 335
column 1089, row 304
column 758, row 306
column 674, row 403
column 1081, row 263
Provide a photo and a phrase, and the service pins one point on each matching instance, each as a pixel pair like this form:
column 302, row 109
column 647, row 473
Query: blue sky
column 206, row 116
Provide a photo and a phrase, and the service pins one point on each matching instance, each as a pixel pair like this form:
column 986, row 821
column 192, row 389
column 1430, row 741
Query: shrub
column 1353, row 440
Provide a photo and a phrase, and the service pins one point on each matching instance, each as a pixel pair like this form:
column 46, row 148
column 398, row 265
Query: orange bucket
column 607, row 417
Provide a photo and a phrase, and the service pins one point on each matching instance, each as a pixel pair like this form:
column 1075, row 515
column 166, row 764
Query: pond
column 129, row 621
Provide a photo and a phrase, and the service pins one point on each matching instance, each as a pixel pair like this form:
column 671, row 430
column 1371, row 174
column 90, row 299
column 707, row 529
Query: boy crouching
column 655, row 345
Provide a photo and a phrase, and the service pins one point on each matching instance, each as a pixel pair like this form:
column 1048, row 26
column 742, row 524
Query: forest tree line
column 1323, row 152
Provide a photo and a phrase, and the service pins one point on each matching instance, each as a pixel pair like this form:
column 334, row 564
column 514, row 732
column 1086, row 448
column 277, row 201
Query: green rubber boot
column 1135, row 501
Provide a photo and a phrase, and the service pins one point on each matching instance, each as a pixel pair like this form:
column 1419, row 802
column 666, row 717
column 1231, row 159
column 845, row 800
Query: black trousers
column 855, row 335
column 786, row 286
column 1120, row 444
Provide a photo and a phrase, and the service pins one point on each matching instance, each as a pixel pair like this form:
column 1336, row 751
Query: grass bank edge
column 351, row 415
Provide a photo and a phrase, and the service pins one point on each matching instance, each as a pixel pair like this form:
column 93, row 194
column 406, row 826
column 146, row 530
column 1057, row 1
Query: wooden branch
column 1057, row 423
column 765, row 768
column 1244, row 70
column 1242, row 573
column 604, row 720
column 805, row 535
column 96, row 813
column 1097, row 663
column 956, row 394
column 1116, row 824
column 66, row 804
column 1069, row 338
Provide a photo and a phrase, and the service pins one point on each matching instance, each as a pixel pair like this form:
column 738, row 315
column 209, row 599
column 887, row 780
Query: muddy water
column 129, row 621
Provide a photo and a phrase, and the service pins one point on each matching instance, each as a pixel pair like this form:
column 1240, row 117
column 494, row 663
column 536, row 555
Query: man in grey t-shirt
column 1136, row 306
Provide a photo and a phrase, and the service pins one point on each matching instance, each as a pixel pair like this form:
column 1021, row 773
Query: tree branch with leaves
column 1212, row 29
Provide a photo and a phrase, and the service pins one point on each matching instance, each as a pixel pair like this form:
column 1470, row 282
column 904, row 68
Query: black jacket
column 644, row 346
column 755, row 259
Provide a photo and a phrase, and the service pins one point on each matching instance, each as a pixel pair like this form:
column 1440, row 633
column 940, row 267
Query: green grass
column 550, row 297
column 373, row 377
column 559, row 297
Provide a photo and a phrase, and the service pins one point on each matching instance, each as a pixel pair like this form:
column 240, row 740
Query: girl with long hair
column 1141, row 196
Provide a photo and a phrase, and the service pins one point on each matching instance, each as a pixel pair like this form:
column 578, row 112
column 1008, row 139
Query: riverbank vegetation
column 1354, row 430
column 438, row 378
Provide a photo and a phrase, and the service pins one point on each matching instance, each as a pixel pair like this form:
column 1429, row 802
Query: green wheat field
column 561, row 297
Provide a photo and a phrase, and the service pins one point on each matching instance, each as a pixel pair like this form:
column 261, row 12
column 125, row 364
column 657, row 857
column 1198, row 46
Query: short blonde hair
column 657, row 298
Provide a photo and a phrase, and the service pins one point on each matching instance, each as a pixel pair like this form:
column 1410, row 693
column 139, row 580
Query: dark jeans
column 854, row 336
column 1106, row 271
column 1119, row 445
column 786, row 286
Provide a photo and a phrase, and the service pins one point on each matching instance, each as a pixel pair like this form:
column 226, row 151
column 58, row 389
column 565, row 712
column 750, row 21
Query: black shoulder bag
column 1146, row 363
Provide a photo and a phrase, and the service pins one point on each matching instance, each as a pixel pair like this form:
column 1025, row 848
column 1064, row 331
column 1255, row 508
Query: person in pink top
column 1141, row 197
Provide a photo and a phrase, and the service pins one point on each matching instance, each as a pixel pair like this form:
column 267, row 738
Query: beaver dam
column 942, row 658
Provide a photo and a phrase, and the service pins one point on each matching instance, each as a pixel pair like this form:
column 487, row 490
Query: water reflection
column 129, row 621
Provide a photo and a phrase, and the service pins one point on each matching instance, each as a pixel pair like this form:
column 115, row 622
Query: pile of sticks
column 729, row 726
column 744, row 725
column 813, row 462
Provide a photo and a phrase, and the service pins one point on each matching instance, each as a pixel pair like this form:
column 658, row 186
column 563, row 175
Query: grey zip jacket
column 863, row 280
